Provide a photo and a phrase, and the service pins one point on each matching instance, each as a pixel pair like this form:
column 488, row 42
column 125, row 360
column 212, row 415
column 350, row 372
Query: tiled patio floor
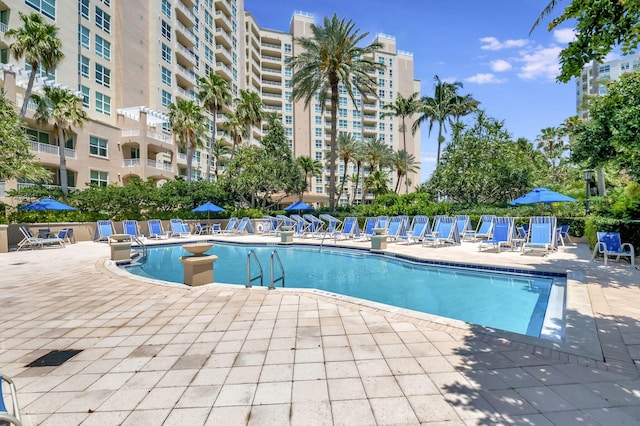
column 224, row 355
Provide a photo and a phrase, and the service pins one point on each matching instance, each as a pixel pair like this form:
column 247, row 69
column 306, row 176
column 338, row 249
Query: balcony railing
column 46, row 148
column 183, row 158
column 3, row 27
column 131, row 162
column 23, row 185
column 127, row 133
column 159, row 137
column 159, row 165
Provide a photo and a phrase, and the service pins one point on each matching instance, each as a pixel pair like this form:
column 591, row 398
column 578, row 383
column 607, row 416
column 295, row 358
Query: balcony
column 130, row 162
column 184, row 35
column 224, row 70
column 23, row 185
column 222, row 36
column 222, row 21
column 185, row 15
column 271, row 70
column 160, row 165
column 185, row 78
column 162, row 137
column 44, row 148
column 185, row 56
column 182, row 158
column 3, row 27
column 271, row 58
column 223, row 5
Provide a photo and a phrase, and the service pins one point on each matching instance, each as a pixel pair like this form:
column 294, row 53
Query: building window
column 103, row 48
column 166, row 76
column 98, row 146
column 166, row 98
column 166, row 30
column 318, row 133
column 317, row 108
column 103, row 103
column 106, row 2
column 288, row 132
column 318, row 120
column 85, row 96
column 103, row 75
column 208, row 36
column 83, row 5
column 38, row 136
column 103, row 20
column 287, row 72
column 342, row 112
column 83, row 66
column 319, row 143
column 318, row 155
column 342, row 101
column 208, row 54
column 99, row 178
column 208, row 19
column 84, row 37
column 381, row 93
column 46, row 7
column 288, row 108
column 166, row 8
column 381, row 126
column 166, row 53
column 288, row 120
column 287, row 48
column 342, row 124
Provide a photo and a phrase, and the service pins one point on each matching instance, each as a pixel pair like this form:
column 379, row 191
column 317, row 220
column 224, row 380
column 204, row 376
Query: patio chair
column 155, row 229
column 14, row 417
column 610, row 244
column 463, row 223
column 201, row 228
column 563, row 234
column 29, row 241
column 104, row 230
column 383, row 222
column 316, row 225
column 396, row 228
column 270, row 225
column 301, row 226
column 350, row 229
column 420, row 227
column 444, row 232
column 231, row 226
column 68, row 235
column 179, row 228
column 367, row 229
column 333, row 224
column 542, row 235
column 131, row 227
column 483, row 230
column 244, row 227
column 502, row 234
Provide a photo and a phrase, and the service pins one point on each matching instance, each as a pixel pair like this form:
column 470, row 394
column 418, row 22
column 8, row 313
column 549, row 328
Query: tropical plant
column 377, row 183
column 345, row 151
column 187, row 122
column 38, row 42
column 65, row 108
column 310, row 168
column 330, row 58
column 445, row 107
column 18, row 161
column 377, row 154
column 234, row 128
column 249, row 110
column 404, row 163
column 403, row 108
column 215, row 94
column 358, row 159
column 220, row 153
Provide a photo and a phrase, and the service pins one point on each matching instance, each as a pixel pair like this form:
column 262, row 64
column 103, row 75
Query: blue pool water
column 505, row 301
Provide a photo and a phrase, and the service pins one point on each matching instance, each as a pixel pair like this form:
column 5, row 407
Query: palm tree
column 358, row 159
column 403, row 107
column 65, row 108
column 249, row 110
column 38, row 42
column 332, row 57
column 214, row 93
column 219, row 153
column 346, row 150
column 445, row 107
column 551, row 144
column 403, row 162
column 377, row 153
column 234, row 128
column 187, row 122
column 310, row 167
column 377, row 183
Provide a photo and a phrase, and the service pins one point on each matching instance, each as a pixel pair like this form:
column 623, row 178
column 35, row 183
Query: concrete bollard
column 198, row 268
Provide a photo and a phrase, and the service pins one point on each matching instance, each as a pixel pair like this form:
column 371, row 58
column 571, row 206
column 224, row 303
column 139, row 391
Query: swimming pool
column 506, row 301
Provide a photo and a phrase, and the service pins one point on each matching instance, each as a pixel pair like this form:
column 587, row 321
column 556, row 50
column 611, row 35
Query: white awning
column 153, row 117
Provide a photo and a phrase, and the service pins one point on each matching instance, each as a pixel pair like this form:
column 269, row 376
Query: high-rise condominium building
column 129, row 60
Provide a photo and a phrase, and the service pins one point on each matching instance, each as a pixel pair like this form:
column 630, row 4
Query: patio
column 219, row 354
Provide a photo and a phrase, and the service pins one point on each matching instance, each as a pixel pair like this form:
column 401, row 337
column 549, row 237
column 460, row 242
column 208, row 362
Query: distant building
column 129, row 60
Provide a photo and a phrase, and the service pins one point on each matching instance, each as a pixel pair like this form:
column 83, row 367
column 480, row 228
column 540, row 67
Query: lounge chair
column 244, row 227
column 14, row 417
column 444, row 232
column 270, row 225
column 367, row 229
column 29, row 241
column 483, row 230
column 104, row 230
column 563, row 234
column 333, row 224
column 419, row 228
column 383, row 222
column 350, row 229
column 463, row 223
column 316, row 225
column 131, row 227
column 231, row 226
column 301, row 227
column 502, row 234
column 542, row 234
column 610, row 244
column 396, row 228
column 179, row 228
column 67, row 235
column 155, row 229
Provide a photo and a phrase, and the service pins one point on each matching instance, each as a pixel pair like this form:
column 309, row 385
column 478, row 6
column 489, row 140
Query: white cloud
column 540, row 63
column 500, row 65
column 564, row 35
column 428, row 159
column 484, row 78
column 492, row 43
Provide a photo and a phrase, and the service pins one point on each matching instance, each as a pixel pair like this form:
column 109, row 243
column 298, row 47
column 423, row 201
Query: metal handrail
column 249, row 279
column 140, row 244
column 275, row 255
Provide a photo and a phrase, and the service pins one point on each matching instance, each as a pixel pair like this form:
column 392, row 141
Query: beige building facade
column 129, row 60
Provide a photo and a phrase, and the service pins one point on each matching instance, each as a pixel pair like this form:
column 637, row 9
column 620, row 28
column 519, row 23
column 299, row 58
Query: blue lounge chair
column 542, row 234
column 396, row 228
column 563, row 233
column 244, row 227
column 350, row 229
column 179, row 228
column 155, row 229
column 316, row 225
column 29, row 241
column 483, row 231
column 367, row 229
column 420, row 227
column 301, row 227
column 610, row 244
column 14, row 417
column 131, row 227
column 463, row 223
column 270, row 225
column 383, row 222
column 231, row 226
column 444, row 232
column 104, row 230
column 333, row 224
column 502, row 234
column 201, row 228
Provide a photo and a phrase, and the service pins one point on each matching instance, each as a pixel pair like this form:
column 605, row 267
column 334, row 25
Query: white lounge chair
column 483, row 230
column 502, row 234
column 350, row 229
column 610, row 244
column 316, row 225
column 444, row 232
column 420, row 227
column 179, row 228
column 397, row 226
column 130, row 227
column 367, row 229
column 104, row 230
column 156, row 231
column 542, row 235
column 14, row 417
column 29, row 241
column 231, row 226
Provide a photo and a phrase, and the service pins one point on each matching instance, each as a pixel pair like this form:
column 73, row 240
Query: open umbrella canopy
column 47, row 204
column 298, row 205
column 208, row 208
column 542, row 195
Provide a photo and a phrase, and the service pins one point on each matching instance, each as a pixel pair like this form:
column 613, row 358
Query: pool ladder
column 274, row 258
column 141, row 246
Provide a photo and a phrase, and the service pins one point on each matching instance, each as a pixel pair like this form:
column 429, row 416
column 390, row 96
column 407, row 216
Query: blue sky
column 483, row 44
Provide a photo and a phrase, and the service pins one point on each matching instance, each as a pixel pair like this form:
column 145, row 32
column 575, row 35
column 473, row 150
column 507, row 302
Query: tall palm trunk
column 440, row 140
column 406, row 157
column 334, row 137
column 64, row 184
column 211, row 142
column 27, row 92
column 189, row 157
column 355, row 188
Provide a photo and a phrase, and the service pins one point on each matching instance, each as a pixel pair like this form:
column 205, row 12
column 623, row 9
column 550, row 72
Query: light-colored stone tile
column 393, row 411
column 381, row 387
column 235, row 394
column 273, row 414
column 352, row 412
column 310, row 391
column 317, row 413
column 273, row 393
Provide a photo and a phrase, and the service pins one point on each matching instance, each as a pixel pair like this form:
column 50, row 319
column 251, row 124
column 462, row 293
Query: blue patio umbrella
column 209, row 208
column 542, row 195
column 46, row 204
column 298, row 205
